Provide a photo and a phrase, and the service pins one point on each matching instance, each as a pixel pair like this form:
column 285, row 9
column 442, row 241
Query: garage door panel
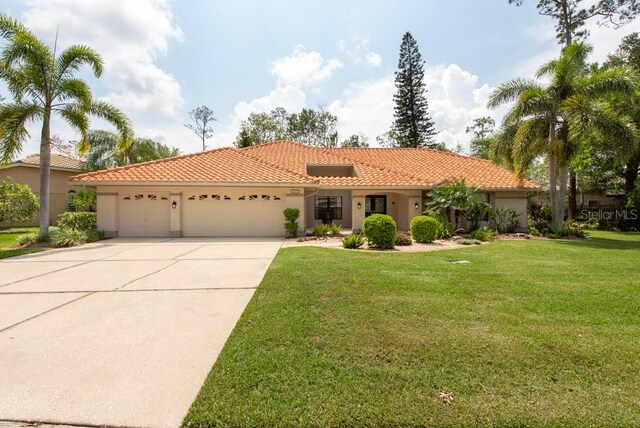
column 144, row 214
column 238, row 214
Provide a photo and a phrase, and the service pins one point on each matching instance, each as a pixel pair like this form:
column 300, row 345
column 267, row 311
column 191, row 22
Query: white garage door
column 233, row 214
column 144, row 214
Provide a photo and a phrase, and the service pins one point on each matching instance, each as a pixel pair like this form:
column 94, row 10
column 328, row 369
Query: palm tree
column 553, row 119
column 104, row 151
column 42, row 84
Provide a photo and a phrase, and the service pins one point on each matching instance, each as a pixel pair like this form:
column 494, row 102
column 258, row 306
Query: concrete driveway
column 121, row 332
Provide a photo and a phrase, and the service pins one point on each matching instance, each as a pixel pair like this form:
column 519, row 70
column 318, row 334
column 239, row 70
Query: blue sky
column 163, row 58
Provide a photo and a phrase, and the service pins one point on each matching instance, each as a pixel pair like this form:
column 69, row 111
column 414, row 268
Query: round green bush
column 380, row 230
column 424, row 228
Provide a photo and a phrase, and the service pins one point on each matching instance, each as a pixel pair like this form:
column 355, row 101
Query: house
column 242, row 192
column 27, row 171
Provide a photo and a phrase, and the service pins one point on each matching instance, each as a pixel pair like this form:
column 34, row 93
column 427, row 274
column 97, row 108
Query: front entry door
column 375, row 204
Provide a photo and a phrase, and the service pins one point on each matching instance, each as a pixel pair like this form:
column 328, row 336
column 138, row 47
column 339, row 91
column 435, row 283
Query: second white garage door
column 233, row 214
column 144, row 214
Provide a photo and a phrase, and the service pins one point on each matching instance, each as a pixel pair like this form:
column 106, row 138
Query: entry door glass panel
column 375, row 205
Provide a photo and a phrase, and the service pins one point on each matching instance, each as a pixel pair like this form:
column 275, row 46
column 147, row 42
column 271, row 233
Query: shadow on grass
column 622, row 241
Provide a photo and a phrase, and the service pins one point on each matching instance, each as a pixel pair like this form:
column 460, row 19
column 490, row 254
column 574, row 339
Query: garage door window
column 328, row 204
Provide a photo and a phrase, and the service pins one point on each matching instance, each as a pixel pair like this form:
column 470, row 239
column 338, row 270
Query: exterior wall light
column 417, row 205
column 174, row 204
column 359, row 205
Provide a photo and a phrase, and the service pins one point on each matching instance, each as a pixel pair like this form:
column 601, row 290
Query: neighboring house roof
column 285, row 162
column 57, row 162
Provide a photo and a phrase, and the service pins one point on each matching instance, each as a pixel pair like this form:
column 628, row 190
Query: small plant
column 64, row 237
column 469, row 241
column 291, row 216
column 380, row 231
column 424, row 228
column 446, row 229
column 335, row 229
column 83, row 220
column 32, row 239
column 506, row 220
column 403, row 239
column 483, row 234
column 353, row 241
column 321, row 230
column 568, row 230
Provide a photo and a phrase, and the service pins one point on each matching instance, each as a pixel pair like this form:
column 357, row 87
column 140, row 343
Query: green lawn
column 530, row 333
column 9, row 238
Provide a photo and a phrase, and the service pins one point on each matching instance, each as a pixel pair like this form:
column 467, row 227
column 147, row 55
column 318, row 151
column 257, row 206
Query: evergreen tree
column 412, row 122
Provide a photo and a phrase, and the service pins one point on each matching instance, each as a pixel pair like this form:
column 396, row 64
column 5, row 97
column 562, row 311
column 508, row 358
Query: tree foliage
column 17, row 202
column 314, row 127
column 104, row 151
column 201, row 120
column 356, row 141
column 482, row 129
column 42, row 84
column 572, row 15
column 413, row 125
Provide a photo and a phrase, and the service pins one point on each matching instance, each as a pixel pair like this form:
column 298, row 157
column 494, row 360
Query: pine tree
column 412, row 122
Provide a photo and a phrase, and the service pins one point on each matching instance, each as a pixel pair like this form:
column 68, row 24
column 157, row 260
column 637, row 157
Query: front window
column 328, row 204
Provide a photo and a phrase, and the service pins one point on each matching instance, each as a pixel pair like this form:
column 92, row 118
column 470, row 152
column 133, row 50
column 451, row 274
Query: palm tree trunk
column 573, row 194
column 553, row 185
column 563, row 178
column 45, row 170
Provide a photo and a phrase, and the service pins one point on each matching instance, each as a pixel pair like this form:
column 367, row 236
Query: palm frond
column 76, row 116
column 13, row 130
column 536, row 101
column 510, row 91
column 74, row 57
column 529, row 142
column 617, row 80
column 121, row 121
column 74, row 89
column 9, row 26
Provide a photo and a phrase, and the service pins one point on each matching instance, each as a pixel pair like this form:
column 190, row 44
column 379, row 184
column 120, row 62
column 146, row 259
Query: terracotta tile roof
column 285, row 162
column 57, row 162
column 225, row 165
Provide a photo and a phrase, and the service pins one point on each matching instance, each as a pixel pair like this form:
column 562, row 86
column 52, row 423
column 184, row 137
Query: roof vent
column 331, row 171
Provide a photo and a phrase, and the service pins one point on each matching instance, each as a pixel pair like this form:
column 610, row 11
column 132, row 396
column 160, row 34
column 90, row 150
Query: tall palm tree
column 552, row 119
column 42, row 84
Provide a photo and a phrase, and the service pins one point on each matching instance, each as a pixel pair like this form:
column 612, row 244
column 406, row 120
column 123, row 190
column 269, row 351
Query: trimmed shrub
column 424, row 228
column 17, row 202
column 83, row 220
column 291, row 216
column 353, row 241
column 403, row 239
column 483, row 234
column 380, row 231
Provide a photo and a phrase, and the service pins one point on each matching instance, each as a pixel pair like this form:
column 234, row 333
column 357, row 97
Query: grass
column 529, row 333
column 9, row 238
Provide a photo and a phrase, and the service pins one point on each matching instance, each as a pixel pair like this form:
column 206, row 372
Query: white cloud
column 128, row 34
column 303, row 68
column 366, row 107
column 358, row 51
